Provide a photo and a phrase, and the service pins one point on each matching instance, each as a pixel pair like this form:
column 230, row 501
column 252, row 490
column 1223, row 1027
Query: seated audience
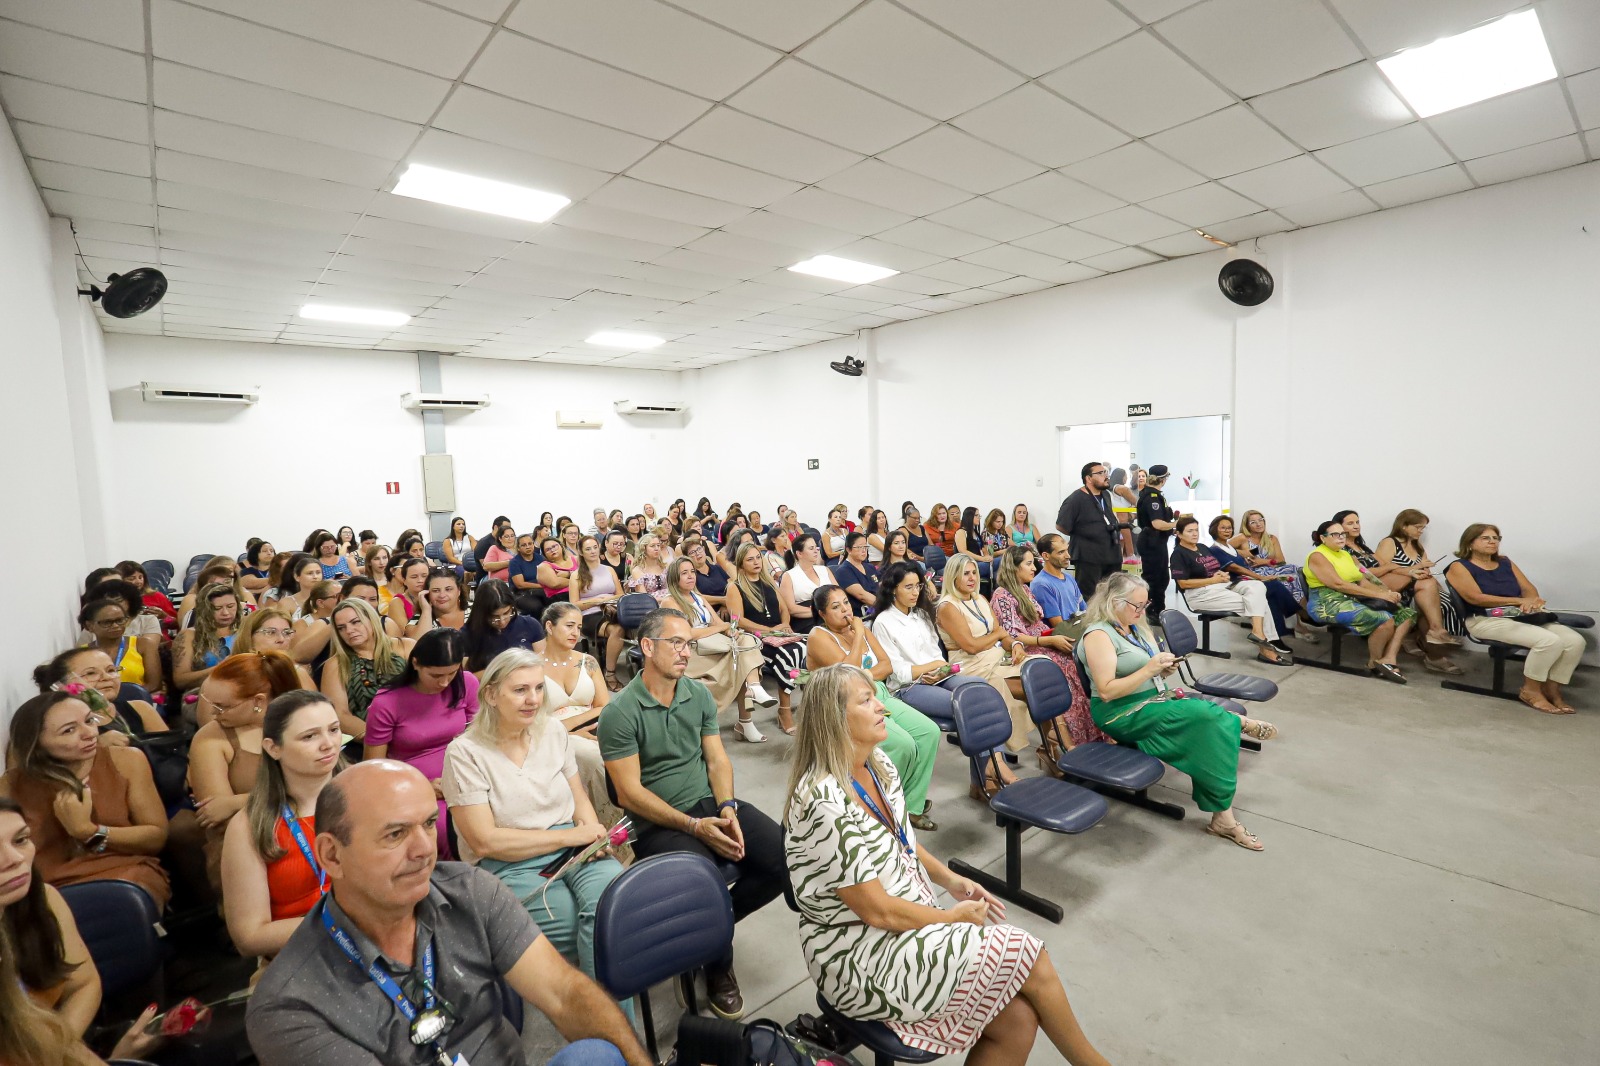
column 1056, row 590
column 446, row 597
column 723, row 659
column 1206, row 586
column 93, row 668
column 369, row 591
column 269, row 629
column 1262, row 553
column 92, row 808
column 375, row 840
column 1280, row 601
column 313, row 630
column 1503, row 605
column 1130, row 702
column 365, row 658
column 522, row 574
column 299, row 575
column 649, row 572
column 756, row 606
column 575, row 693
column 457, row 546
column 857, row 575
column 257, row 564
column 876, row 529
column 496, row 624
column 270, row 874
column 109, row 618
column 495, row 560
column 221, row 570
column 802, row 579
column 1020, row 615
column 916, row 536
column 616, row 554
column 941, row 527
column 983, row 649
column 516, row 799
column 1403, row 565
column 1022, row 530
column 904, row 624
column 326, row 552
column 375, row 565
column 673, row 775
column 775, row 551
column 408, row 607
column 595, row 590
column 226, row 752
column 348, row 545
column 152, row 601
column 833, row 536
column 912, row 740
column 711, row 580
column 979, row 543
column 1341, row 593
column 197, row 651
column 877, row 946
column 416, row 715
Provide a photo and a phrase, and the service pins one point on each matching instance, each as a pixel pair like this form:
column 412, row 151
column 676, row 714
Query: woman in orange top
column 941, row 526
column 269, row 874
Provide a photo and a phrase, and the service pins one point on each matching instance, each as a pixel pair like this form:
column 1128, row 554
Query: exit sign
column 391, row 488
column 1138, row 410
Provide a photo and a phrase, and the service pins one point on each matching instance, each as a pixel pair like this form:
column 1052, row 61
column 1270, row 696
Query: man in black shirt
column 1155, row 516
column 1087, row 518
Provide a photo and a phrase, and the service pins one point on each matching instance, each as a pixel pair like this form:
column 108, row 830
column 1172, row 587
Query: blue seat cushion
column 874, row 1036
column 1114, row 765
column 1225, row 703
column 1058, row 806
column 1237, row 686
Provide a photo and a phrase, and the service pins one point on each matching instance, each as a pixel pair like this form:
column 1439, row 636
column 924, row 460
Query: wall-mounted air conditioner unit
column 443, row 401
column 160, row 392
column 651, row 407
column 579, row 420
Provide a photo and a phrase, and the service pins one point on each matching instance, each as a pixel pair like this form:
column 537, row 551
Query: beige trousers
column 1553, row 650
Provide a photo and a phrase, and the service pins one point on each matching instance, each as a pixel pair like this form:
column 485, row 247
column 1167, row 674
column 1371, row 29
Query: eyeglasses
column 111, row 623
column 279, row 633
column 1137, row 606
column 678, row 644
column 91, row 676
column 1341, row 535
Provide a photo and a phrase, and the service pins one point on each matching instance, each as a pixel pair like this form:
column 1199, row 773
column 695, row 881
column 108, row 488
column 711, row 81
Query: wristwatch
column 725, row 804
column 98, row 840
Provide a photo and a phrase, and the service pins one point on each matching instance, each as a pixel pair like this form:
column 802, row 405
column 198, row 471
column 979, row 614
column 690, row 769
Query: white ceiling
column 983, row 147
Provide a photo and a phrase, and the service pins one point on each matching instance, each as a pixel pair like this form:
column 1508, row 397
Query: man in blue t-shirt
column 1058, row 594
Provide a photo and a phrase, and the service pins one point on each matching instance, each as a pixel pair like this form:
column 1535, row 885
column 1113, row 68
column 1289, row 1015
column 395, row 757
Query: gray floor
column 1430, row 892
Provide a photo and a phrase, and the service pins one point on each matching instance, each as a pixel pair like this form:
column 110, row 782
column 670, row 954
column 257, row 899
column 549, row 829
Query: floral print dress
column 1080, row 723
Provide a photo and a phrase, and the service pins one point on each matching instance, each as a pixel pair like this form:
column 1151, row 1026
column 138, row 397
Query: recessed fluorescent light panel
column 831, row 266
column 1501, row 57
column 616, row 338
column 356, row 316
column 478, row 194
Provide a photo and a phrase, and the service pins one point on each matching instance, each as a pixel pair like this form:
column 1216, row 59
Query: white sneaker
column 759, row 695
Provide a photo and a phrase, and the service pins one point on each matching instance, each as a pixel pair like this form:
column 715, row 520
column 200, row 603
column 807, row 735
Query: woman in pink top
column 417, row 715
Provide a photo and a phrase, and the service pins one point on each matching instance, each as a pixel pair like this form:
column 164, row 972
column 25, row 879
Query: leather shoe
column 722, row 989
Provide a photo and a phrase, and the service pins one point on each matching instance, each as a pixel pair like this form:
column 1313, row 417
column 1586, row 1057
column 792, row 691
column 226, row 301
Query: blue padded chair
column 665, row 916
column 1205, row 618
column 434, row 550
column 119, row 924
column 159, row 574
column 934, row 558
column 1499, row 653
column 984, row 726
column 192, row 571
column 631, row 610
column 1180, row 641
column 1117, row 770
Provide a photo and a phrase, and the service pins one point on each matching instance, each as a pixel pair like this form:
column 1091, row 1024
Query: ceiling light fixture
column 1496, row 58
column 479, row 194
column 619, row 338
column 355, row 316
column 831, row 266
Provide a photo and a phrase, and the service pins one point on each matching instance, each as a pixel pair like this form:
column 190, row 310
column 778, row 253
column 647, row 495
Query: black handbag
column 1376, row 604
column 762, row 1042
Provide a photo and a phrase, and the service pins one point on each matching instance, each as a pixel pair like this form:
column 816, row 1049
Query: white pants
column 1248, row 598
column 1553, row 650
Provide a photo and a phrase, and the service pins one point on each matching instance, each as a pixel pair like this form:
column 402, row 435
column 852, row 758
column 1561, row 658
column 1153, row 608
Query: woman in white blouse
column 803, row 579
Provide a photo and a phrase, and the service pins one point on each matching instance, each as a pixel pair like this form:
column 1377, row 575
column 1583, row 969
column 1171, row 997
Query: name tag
column 461, row 1060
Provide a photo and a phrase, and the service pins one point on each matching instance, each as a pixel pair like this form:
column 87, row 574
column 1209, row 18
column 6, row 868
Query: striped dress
column 937, row 987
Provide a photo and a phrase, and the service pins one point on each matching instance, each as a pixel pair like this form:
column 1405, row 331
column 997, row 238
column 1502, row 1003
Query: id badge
column 460, row 1060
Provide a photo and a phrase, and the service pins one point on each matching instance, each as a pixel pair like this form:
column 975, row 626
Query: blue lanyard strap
column 888, row 823
column 299, row 834
column 379, row 975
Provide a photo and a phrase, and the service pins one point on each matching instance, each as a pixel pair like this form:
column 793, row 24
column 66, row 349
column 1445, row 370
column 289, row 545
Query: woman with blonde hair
column 219, row 570
column 723, row 659
column 198, row 650
column 364, row 659
column 980, row 644
column 757, row 608
column 594, row 590
column 945, row 980
column 649, row 571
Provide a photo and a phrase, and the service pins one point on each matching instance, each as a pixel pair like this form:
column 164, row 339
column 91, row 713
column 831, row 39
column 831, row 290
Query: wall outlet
column 1038, row 482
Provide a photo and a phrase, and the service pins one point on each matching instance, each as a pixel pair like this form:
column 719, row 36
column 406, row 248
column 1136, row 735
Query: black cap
column 1156, row 471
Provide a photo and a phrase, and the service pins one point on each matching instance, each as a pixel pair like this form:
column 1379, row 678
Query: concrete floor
column 1430, row 892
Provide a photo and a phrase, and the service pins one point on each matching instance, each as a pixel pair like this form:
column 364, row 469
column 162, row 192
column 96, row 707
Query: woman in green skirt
column 1131, row 705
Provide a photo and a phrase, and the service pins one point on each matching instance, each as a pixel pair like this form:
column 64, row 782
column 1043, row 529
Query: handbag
column 1071, row 628
column 762, row 1042
column 714, row 644
column 1376, row 604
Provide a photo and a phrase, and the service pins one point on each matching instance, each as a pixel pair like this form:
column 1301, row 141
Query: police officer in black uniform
column 1155, row 517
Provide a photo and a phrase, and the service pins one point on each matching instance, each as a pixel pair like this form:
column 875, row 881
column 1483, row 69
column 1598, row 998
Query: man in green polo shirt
column 663, row 750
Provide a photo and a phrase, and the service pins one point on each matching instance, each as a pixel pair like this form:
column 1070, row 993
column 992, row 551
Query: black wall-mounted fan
column 849, row 366
column 130, row 294
column 1245, row 282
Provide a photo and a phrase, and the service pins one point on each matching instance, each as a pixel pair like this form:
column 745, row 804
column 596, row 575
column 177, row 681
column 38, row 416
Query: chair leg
column 1335, row 657
column 1205, row 647
column 649, row 1026
column 1498, row 690
column 1010, row 888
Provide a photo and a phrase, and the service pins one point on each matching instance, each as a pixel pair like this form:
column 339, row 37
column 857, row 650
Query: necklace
column 566, row 662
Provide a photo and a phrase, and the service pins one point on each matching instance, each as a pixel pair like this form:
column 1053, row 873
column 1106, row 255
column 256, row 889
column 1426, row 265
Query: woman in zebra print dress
column 876, row 943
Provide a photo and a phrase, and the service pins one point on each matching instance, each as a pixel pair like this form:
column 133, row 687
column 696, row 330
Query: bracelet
column 694, row 824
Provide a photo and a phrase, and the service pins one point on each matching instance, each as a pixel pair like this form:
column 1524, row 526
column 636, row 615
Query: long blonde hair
column 245, row 635
column 384, row 652
column 485, row 727
column 31, row 1034
column 683, row 603
column 752, row 591
column 822, row 745
column 206, row 639
column 953, row 569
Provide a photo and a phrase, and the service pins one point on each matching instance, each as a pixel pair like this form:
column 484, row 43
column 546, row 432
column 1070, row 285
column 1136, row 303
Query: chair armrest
column 1574, row 621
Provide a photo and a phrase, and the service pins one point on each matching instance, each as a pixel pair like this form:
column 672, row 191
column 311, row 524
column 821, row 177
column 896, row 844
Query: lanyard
column 122, row 649
column 888, row 823
column 428, row 1024
column 299, row 834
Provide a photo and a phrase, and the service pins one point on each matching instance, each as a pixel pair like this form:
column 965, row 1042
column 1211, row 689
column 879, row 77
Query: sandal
column 1548, row 708
column 745, row 729
column 922, row 822
column 611, row 681
column 1238, row 834
column 1259, row 730
column 1387, row 672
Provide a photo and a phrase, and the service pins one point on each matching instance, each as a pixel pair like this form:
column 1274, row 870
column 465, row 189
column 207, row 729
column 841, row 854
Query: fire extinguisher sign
column 391, row 488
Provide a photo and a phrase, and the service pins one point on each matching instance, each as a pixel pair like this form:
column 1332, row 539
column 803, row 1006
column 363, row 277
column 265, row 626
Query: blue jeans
column 588, row 1053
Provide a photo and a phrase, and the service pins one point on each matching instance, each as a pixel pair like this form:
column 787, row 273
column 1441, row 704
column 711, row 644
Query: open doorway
column 1198, row 448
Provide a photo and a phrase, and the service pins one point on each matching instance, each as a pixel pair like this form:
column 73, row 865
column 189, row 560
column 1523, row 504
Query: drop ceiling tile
column 917, row 283
column 1134, row 172
column 117, row 25
column 1067, row 273
column 260, row 182
column 739, row 138
column 1500, row 124
column 876, row 182
column 1065, row 242
column 1139, row 85
column 370, row 248
column 1058, row 198
column 1179, row 244
column 961, row 160
column 1155, row 10
column 1383, row 156
column 242, row 49
column 83, row 149
column 882, row 253
column 939, row 303
column 1292, row 181
column 1338, row 107
column 1012, row 258
column 116, row 231
column 559, row 235
column 628, row 224
column 1035, row 36
column 932, row 237
column 735, row 247
column 1224, row 142
column 883, row 48
column 841, row 212
column 1020, row 286
column 1386, row 27
column 989, row 218
column 1203, row 205
column 539, row 74
column 780, row 23
column 794, row 232
column 1425, row 186
column 429, row 237
column 696, row 173
column 128, row 253
column 51, row 105
column 1122, row 259
column 29, row 52
column 1258, row 225
column 1532, row 159
column 1585, row 90
column 1573, row 33
column 813, row 102
column 407, row 32
column 500, row 120
column 720, row 266
column 1345, row 204
column 964, row 273
column 1255, row 46
column 1131, row 225
column 657, row 200
column 451, row 151
column 1040, row 126
column 650, row 39
column 486, row 10
column 203, row 137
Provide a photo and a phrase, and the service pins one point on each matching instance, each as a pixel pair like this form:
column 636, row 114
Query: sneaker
column 758, row 693
column 722, row 990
